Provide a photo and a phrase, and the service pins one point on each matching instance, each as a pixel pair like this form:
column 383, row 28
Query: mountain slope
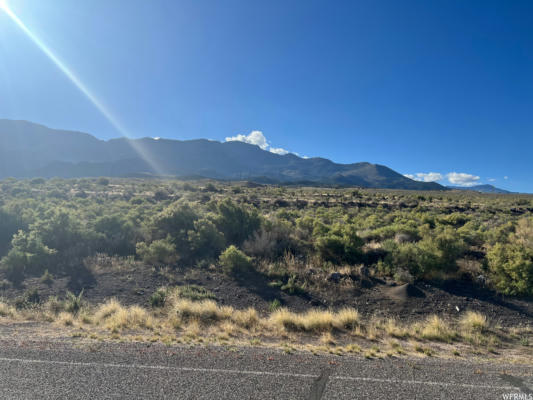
column 481, row 189
column 28, row 150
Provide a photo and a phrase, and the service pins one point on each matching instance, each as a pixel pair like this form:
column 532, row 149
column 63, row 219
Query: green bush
column 194, row 292
column 340, row 245
column 205, row 241
column 158, row 298
column 237, row 223
column 30, row 299
column 159, row 252
column 234, row 261
column 73, row 303
column 511, row 268
column 28, row 255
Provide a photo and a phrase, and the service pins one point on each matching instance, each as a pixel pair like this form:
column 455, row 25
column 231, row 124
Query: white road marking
column 259, row 373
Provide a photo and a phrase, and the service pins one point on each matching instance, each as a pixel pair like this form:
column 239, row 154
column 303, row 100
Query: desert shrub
column 60, row 229
column 116, row 235
column 237, row 223
column 175, row 221
column 9, row 225
column 511, row 268
column 271, row 241
column 158, row 298
column 73, row 303
column 424, row 258
column 274, row 305
column 194, row 292
column 159, row 252
column 330, row 248
column 292, row 286
column 205, row 240
column 28, row 254
column 30, row 299
column 340, row 245
column 234, row 261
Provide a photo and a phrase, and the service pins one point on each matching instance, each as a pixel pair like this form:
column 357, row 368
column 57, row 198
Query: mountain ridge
column 30, row 150
column 486, row 188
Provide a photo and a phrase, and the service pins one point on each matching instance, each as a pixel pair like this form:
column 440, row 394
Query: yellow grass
column 346, row 318
column 394, row 329
column 315, row 320
column 327, row 339
column 65, row 319
column 473, row 321
column 247, row 318
column 203, row 311
column 436, row 328
column 6, row 310
column 107, row 309
column 115, row 316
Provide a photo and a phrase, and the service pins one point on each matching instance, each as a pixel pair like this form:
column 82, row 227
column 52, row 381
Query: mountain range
column 32, row 150
column 481, row 189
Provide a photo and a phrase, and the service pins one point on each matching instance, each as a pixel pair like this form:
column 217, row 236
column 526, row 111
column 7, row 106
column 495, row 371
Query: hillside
column 31, row 150
column 481, row 189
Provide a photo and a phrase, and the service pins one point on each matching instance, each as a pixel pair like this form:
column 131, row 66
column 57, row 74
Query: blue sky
column 441, row 87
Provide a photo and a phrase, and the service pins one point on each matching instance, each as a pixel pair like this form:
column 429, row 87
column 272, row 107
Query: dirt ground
column 372, row 297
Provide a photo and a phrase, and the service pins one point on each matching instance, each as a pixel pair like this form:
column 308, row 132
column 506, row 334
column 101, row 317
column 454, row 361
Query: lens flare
column 137, row 147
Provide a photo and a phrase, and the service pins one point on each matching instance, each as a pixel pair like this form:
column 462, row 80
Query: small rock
column 335, row 277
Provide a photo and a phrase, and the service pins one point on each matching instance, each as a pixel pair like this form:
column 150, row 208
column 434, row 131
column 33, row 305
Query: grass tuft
column 473, row 321
column 436, row 328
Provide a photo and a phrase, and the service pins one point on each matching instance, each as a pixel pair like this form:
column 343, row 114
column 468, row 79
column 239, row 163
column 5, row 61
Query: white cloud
column 505, row 177
column 425, row 177
column 491, row 180
column 257, row 138
column 278, row 150
column 462, row 179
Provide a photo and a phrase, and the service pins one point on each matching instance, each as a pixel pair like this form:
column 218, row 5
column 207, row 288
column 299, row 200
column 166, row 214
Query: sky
column 437, row 90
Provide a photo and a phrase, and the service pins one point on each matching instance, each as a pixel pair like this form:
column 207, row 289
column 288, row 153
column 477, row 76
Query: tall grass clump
column 473, row 321
column 346, row 318
column 203, row 311
column 436, row 328
column 6, row 310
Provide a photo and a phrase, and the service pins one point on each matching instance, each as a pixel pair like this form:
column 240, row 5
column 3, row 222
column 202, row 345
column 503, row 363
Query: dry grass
column 107, row 309
column 204, row 311
column 394, row 329
column 347, row 318
column 6, row 310
column 435, row 328
column 247, row 319
column 473, row 321
column 186, row 321
column 65, row 319
column 327, row 339
column 315, row 320
column 115, row 316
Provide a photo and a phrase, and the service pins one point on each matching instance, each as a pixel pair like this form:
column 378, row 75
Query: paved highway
column 87, row 370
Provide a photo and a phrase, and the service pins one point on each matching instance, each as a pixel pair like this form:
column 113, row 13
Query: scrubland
column 298, row 267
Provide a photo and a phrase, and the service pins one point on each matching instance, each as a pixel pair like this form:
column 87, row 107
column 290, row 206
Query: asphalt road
column 83, row 370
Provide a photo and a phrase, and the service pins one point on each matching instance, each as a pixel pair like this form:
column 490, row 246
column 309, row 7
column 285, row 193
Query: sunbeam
column 79, row 84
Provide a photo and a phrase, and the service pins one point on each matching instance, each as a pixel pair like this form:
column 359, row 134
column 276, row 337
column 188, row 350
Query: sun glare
column 82, row 87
